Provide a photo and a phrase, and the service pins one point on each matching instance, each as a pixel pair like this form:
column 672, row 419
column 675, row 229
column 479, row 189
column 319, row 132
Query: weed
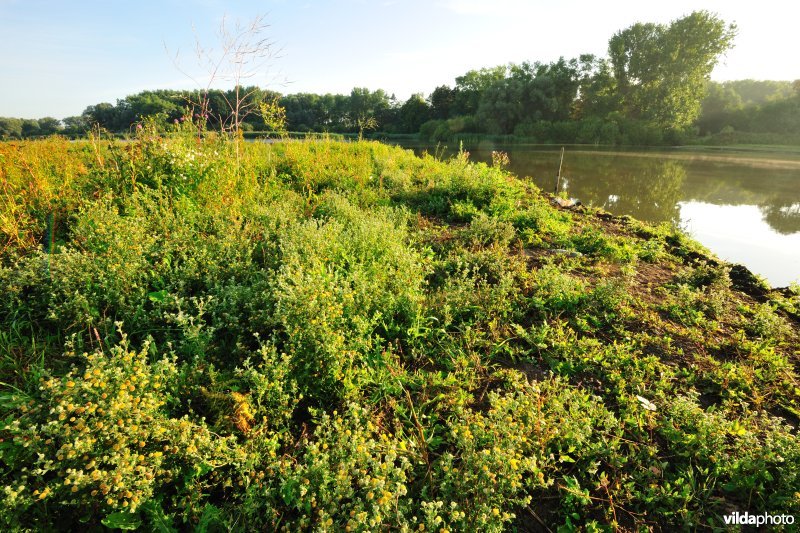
column 326, row 335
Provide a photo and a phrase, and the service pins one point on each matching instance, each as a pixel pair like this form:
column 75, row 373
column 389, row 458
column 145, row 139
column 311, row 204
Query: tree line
column 751, row 106
column 652, row 88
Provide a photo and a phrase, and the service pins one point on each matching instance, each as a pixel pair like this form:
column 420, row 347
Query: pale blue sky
column 57, row 57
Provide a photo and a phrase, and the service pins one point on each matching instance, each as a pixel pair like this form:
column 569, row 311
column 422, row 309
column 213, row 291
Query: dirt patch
column 648, row 278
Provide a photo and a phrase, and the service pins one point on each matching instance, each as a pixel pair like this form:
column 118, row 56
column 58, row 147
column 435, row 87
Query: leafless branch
column 242, row 53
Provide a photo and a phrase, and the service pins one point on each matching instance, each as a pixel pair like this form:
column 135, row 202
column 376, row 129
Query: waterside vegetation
column 332, row 336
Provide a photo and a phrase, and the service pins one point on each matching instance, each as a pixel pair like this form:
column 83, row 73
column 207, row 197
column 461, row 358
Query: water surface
column 744, row 206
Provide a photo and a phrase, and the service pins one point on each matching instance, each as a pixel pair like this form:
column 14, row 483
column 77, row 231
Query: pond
column 742, row 205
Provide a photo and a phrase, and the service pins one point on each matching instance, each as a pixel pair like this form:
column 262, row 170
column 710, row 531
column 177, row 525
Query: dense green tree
column 413, row 114
column 718, row 107
column 529, row 93
column 557, row 87
column 18, row 128
column 168, row 104
column 471, row 86
column 723, row 109
column 49, row 126
column 442, row 100
column 103, row 114
column 364, row 108
column 75, row 125
column 760, row 91
column 662, row 70
column 503, row 102
column 304, row 112
column 339, row 106
column 597, row 94
column 243, row 105
column 779, row 116
column 10, row 128
column 30, row 127
column 388, row 117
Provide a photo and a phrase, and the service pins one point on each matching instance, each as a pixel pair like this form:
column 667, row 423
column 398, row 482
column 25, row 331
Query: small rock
column 566, row 203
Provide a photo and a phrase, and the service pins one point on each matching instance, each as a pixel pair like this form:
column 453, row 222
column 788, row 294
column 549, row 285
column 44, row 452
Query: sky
column 58, row 57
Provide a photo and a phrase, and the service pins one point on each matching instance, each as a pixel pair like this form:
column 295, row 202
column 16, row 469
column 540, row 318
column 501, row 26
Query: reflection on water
column 741, row 234
column 783, row 218
column 744, row 207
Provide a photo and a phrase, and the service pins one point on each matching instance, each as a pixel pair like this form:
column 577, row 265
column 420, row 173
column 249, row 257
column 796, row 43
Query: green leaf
column 730, row 487
column 159, row 520
column 289, row 491
column 122, row 521
column 199, row 470
column 157, row 296
column 212, row 516
column 202, row 469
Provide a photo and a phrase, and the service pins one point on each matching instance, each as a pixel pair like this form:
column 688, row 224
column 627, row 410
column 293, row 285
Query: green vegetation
column 752, row 112
column 652, row 89
column 332, row 336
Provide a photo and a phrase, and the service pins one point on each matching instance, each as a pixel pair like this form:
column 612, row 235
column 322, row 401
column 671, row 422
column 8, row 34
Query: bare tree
column 241, row 53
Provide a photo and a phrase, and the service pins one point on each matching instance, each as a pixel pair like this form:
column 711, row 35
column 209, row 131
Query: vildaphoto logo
column 747, row 519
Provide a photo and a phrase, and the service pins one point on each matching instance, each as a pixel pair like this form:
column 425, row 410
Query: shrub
column 352, row 474
column 100, row 440
column 486, row 231
column 764, row 323
column 348, row 282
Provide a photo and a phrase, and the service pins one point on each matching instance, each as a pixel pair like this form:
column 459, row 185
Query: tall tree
column 30, row 127
column 597, row 94
column 304, row 112
column 662, row 70
column 442, row 99
column 364, row 108
column 103, row 114
column 718, row 107
column 10, row 128
column 167, row 104
column 413, row 113
column 471, row 86
column 760, row 91
column 75, row 125
column 530, row 92
column 49, row 126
